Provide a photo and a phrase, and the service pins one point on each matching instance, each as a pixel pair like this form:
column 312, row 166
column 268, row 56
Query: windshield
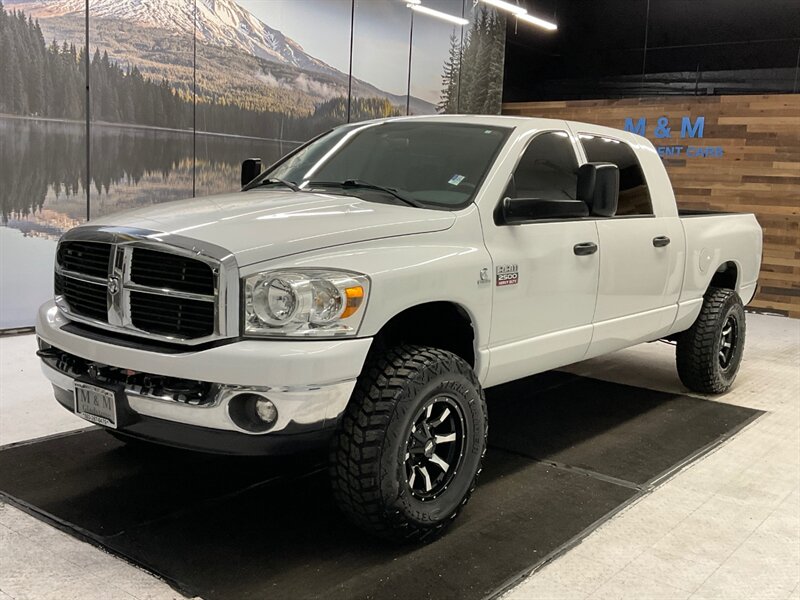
column 419, row 163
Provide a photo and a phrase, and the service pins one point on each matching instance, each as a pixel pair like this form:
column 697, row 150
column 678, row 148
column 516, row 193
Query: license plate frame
column 96, row 404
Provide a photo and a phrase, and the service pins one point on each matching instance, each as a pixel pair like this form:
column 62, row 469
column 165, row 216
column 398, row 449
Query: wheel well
column 726, row 276
column 443, row 325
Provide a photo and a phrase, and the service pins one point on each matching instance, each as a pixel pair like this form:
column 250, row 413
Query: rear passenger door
column 640, row 254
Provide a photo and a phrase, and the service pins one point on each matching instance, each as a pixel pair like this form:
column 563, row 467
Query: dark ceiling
column 613, row 48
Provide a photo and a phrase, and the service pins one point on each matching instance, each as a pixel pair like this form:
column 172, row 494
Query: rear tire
column 407, row 454
column 710, row 352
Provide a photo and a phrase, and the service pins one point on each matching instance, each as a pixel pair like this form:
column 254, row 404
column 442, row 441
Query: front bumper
column 310, row 383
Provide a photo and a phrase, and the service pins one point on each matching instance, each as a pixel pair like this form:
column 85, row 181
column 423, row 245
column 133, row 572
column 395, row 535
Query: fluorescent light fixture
column 521, row 14
column 512, row 8
column 536, row 21
column 439, row 15
column 413, row 1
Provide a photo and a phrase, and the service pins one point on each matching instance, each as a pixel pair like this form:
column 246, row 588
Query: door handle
column 661, row 241
column 584, row 248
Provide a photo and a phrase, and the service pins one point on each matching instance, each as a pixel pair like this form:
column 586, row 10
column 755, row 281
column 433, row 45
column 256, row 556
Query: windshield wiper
column 366, row 185
column 289, row 184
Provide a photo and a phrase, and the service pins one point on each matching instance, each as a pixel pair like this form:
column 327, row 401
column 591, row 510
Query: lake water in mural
column 43, row 188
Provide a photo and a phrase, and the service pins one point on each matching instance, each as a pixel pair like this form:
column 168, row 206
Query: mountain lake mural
column 181, row 91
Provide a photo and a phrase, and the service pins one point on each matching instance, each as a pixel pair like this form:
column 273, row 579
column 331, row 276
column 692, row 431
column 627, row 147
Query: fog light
column 266, row 411
column 252, row 412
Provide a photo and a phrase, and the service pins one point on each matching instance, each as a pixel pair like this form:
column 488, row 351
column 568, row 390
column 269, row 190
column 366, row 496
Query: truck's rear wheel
column 408, row 451
column 709, row 353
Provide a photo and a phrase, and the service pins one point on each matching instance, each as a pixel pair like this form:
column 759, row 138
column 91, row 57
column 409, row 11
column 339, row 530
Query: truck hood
column 262, row 225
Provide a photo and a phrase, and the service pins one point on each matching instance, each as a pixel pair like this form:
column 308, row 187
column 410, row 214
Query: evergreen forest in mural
column 472, row 79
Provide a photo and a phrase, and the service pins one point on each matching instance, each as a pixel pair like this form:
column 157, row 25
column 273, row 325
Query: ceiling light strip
column 537, row 21
column 439, row 15
column 506, row 6
column 521, row 14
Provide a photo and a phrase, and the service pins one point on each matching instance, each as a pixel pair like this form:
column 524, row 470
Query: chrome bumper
column 310, row 382
column 311, row 408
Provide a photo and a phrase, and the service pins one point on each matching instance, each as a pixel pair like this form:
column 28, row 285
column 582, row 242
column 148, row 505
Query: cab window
column 634, row 196
column 548, row 169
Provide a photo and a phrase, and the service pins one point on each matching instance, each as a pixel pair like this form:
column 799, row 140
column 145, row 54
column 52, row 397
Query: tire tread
column 694, row 354
column 355, row 456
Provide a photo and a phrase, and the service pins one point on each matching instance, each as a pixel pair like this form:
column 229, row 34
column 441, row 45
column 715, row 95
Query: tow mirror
column 598, row 187
column 251, row 168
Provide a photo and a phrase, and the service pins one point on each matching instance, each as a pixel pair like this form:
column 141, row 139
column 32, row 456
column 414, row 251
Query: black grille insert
column 168, row 315
column 83, row 281
column 162, row 270
column 89, row 258
column 84, row 298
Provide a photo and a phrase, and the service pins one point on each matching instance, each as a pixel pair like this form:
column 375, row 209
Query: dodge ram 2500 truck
column 363, row 292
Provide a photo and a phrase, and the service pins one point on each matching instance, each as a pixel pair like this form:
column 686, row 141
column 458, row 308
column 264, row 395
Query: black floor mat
column 621, row 431
column 564, row 453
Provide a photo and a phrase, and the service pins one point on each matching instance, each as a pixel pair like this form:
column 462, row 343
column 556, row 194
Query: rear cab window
column 634, row 194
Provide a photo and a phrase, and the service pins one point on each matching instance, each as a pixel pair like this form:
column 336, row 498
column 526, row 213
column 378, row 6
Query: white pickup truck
column 363, row 292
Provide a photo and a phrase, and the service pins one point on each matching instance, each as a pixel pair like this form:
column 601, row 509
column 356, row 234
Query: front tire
column 710, row 352
column 407, row 453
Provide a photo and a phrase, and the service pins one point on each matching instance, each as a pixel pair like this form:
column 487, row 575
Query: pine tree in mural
column 37, row 79
column 448, row 103
column 472, row 79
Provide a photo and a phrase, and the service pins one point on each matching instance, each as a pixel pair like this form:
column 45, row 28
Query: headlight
column 304, row 303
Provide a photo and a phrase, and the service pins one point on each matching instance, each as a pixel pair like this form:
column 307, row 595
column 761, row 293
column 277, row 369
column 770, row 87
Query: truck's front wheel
column 709, row 353
column 408, row 450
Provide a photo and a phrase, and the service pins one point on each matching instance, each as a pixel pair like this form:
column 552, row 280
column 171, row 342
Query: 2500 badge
column 507, row 275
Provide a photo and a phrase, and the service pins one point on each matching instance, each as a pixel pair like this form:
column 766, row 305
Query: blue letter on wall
column 640, row 126
column 692, row 130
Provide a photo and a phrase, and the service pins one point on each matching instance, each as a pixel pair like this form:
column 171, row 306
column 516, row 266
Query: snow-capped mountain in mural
column 220, row 23
column 231, row 42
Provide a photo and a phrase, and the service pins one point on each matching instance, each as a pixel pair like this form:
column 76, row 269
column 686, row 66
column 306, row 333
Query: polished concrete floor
column 727, row 526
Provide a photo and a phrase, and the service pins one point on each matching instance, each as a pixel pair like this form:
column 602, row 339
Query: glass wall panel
column 140, row 81
column 435, row 59
column 267, row 81
column 380, row 60
column 482, row 58
column 42, row 150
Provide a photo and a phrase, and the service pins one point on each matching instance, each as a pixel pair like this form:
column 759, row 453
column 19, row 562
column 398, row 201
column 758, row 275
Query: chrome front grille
column 90, row 258
column 169, row 315
column 120, row 279
column 153, row 268
column 84, row 298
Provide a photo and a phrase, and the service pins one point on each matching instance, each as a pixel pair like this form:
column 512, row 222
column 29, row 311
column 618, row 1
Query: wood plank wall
column 759, row 171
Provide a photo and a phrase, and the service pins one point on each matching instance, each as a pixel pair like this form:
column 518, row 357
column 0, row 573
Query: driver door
column 544, row 281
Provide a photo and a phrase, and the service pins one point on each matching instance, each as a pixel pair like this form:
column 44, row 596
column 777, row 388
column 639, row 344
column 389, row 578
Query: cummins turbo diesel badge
column 507, row 275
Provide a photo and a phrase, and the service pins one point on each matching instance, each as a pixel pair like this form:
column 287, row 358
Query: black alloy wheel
column 729, row 338
column 435, row 448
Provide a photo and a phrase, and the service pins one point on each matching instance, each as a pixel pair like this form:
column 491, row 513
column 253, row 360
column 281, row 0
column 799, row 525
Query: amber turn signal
column 354, row 296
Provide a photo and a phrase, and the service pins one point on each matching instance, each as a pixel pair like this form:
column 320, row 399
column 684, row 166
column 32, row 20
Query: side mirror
column 598, row 187
column 251, row 168
column 523, row 210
